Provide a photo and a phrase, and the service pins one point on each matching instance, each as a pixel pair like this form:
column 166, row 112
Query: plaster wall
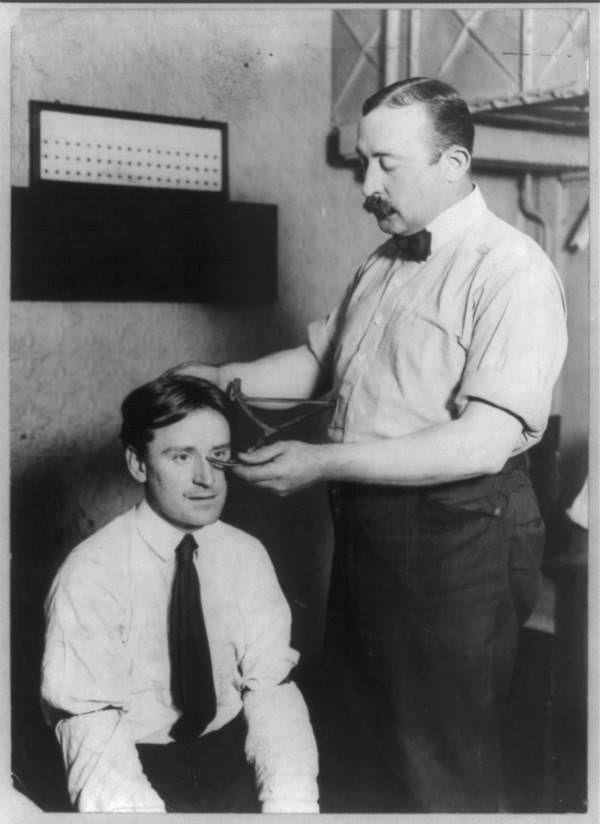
column 267, row 74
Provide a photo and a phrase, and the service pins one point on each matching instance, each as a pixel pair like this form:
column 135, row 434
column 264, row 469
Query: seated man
column 167, row 659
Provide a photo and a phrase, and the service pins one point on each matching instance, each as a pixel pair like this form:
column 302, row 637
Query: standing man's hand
column 195, row 368
column 282, row 467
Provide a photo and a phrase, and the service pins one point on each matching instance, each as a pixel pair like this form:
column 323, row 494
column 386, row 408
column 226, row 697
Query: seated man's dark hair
column 164, row 401
column 451, row 119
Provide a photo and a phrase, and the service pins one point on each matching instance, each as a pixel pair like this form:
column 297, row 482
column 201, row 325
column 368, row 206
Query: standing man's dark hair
column 167, row 400
column 451, row 119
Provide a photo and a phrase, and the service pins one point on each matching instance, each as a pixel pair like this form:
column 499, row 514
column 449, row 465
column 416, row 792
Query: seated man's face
column 181, row 484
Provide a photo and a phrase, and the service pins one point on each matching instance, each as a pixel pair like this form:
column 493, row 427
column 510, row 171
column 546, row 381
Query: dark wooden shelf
column 91, row 242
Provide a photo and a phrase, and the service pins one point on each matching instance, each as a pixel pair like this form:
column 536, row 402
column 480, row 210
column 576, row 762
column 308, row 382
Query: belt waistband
column 516, row 463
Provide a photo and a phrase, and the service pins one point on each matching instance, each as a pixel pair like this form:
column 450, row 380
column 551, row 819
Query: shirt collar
column 455, row 220
column 161, row 536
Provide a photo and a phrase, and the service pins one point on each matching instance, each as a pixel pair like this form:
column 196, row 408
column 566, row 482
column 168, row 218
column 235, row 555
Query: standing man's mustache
column 377, row 206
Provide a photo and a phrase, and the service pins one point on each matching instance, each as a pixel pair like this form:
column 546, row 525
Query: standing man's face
column 403, row 187
column 180, row 482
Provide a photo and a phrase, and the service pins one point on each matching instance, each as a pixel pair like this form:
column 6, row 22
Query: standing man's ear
column 135, row 465
column 457, row 162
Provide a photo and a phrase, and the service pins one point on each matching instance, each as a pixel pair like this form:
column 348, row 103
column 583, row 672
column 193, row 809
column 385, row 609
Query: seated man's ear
column 135, row 465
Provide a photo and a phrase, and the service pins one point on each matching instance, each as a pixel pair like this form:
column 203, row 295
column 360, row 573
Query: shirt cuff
column 516, row 396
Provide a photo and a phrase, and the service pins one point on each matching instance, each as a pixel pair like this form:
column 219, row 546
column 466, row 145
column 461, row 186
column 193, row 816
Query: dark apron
column 429, row 587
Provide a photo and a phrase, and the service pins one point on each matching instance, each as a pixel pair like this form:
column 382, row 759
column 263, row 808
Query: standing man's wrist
column 330, row 458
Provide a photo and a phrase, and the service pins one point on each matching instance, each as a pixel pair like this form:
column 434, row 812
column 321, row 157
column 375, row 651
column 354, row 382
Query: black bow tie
column 414, row 247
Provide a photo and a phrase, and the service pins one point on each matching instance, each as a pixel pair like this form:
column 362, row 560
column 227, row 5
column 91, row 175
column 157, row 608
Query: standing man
column 166, row 672
column 441, row 358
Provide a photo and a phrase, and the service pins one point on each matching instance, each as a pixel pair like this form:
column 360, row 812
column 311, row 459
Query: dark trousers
column 429, row 587
column 208, row 775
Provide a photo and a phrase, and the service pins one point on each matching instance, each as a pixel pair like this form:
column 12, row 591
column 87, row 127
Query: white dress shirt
column 410, row 343
column 106, row 671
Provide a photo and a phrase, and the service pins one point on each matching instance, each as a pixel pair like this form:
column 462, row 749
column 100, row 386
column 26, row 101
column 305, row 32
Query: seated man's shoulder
column 236, row 537
column 238, row 544
column 103, row 552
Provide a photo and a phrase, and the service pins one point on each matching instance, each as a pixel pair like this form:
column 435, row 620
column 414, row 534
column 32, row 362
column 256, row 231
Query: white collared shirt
column 410, row 343
column 106, row 662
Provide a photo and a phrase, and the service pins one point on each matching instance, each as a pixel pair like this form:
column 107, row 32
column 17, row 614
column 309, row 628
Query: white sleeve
column 519, row 338
column 280, row 741
column 85, row 693
column 104, row 773
column 282, row 746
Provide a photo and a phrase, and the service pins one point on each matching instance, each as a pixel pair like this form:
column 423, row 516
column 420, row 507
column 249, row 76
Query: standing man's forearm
column 477, row 443
column 291, row 373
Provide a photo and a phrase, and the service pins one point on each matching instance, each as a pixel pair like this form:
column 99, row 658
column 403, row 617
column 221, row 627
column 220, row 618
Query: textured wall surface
column 267, row 74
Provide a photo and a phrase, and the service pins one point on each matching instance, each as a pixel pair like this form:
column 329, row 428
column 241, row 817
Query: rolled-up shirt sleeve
column 84, row 693
column 280, row 741
column 518, row 339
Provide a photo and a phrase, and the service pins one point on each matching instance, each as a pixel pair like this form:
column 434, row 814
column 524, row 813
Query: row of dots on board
column 109, row 146
column 134, row 163
column 133, row 177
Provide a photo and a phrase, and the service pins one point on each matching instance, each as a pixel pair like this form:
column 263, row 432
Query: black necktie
column 414, row 247
column 192, row 684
